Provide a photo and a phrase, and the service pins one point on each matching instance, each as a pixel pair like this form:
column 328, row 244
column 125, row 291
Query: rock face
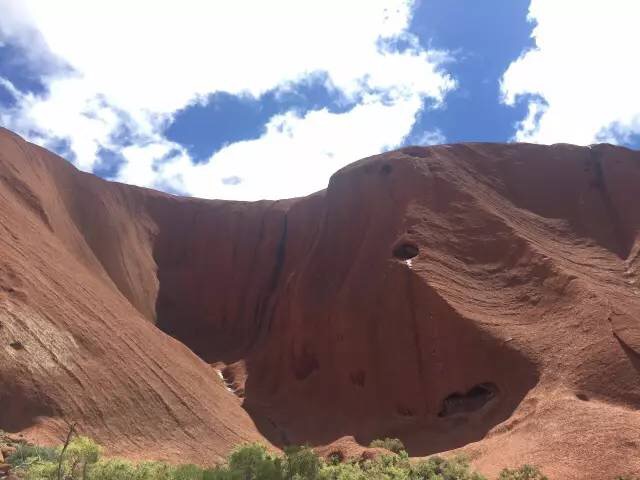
column 477, row 296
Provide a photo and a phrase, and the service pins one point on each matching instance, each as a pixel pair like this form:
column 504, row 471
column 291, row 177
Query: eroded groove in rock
column 622, row 240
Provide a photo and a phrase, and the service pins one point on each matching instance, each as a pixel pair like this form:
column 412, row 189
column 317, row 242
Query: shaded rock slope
column 481, row 297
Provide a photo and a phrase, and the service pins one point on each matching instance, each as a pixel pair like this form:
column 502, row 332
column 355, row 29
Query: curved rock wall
column 481, row 296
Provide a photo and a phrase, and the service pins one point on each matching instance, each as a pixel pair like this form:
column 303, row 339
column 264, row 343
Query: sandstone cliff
column 476, row 296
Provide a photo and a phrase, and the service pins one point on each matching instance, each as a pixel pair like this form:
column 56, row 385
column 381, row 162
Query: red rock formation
column 474, row 296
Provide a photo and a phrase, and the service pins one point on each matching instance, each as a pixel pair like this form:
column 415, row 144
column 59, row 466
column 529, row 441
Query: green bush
column 188, row 472
column 301, row 462
column 526, row 472
column 42, row 462
column 392, row 467
column 252, row 462
column 218, row 473
column 27, row 454
column 42, row 470
column 151, row 471
column 437, row 468
column 80, row 454
column 392, row 444
column 113, row 469
column 343, row 471
column 82, row 449
column 35, row 462
column 81, row 461
column 335, row 458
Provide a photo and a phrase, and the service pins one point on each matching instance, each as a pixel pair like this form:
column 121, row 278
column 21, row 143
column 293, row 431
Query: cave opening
column 471, row 401
column 406, row 251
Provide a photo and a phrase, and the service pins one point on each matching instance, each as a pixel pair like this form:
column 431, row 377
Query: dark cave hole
column 473, row 400
column 406, row 251
column 16, row 345
column 582, row 396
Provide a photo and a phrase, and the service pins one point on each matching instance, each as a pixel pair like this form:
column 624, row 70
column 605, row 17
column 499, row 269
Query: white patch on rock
column 227, row 385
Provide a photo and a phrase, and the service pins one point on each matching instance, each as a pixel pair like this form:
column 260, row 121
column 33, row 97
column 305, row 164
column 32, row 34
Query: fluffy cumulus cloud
column 581, row 81
column 118, row 71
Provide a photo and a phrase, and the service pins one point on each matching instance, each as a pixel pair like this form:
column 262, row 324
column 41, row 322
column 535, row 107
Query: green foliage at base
column 526, row 472
column 437, row 468
column 82, row 461
column 392, row 444
column 35, row 463
column 26, row 454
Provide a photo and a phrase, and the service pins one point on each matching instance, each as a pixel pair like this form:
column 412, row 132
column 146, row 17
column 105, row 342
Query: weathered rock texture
column 475, row 296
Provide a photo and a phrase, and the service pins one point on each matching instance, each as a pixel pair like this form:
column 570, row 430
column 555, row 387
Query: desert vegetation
column 81, row 459
column 392, row 444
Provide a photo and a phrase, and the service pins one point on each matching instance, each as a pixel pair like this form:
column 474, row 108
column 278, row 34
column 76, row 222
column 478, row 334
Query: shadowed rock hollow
column 480, row 296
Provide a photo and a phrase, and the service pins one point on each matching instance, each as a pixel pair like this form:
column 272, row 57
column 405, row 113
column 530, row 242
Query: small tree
column 301, row 462
column 72, row 431
column 81, row 453
column 252, row 462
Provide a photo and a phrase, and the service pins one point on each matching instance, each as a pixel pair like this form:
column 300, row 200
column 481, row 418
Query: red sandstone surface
column 481, row 297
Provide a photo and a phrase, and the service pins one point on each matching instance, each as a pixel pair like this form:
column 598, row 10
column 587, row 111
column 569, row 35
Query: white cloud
column 296, row 152
column 10, row 87
column 583, row 75
column 138, row 62
column 430, row 137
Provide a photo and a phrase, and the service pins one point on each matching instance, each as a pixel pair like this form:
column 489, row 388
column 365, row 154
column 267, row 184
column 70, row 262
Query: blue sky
column 255, row 101
column 484, row 38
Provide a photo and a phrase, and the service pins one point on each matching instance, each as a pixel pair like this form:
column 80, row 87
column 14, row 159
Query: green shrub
column 82, row 461
column 42, row 470
column 79, row 455
column 27, row 454
column 152, row 471
column 188, row 472
column 342, row 471
column 438, row 468
column 526, row 472
column 301, row 462
column 218, row 473
column 390, row 467
column 35, row 462
column 335, row 458
column 252, row 462
column 392, row 444
column 83, row 449
column 42, row 462
column 112, row 469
